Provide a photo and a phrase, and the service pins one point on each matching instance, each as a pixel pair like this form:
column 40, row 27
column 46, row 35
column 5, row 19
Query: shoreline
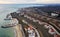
column 14, row 32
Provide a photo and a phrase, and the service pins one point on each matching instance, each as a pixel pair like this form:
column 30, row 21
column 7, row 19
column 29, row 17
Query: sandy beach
column 18, row 31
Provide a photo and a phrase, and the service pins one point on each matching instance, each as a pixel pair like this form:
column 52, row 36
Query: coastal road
column 18, row 32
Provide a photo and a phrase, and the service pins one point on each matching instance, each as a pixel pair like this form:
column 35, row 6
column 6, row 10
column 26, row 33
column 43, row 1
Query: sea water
column 6, row 9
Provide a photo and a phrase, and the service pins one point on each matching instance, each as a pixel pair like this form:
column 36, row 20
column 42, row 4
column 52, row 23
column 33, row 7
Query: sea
column 6, row 9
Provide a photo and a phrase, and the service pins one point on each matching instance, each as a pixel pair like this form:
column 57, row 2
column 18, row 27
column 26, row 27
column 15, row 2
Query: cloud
column 6, row 2
column 16, row 1
column 28, row 1
column 47, row 1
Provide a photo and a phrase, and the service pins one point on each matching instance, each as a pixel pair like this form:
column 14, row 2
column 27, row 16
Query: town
column 33, row 22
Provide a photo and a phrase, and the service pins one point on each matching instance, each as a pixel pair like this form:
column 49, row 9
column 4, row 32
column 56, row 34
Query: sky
column 29, row 1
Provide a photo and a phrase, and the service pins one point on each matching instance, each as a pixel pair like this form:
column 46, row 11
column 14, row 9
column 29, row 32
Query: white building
column 31, row 33
column 54, row 14
column 51, row 31
column 34, row 20
column 46, row 26
column 24, row 21
column 25, row 15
